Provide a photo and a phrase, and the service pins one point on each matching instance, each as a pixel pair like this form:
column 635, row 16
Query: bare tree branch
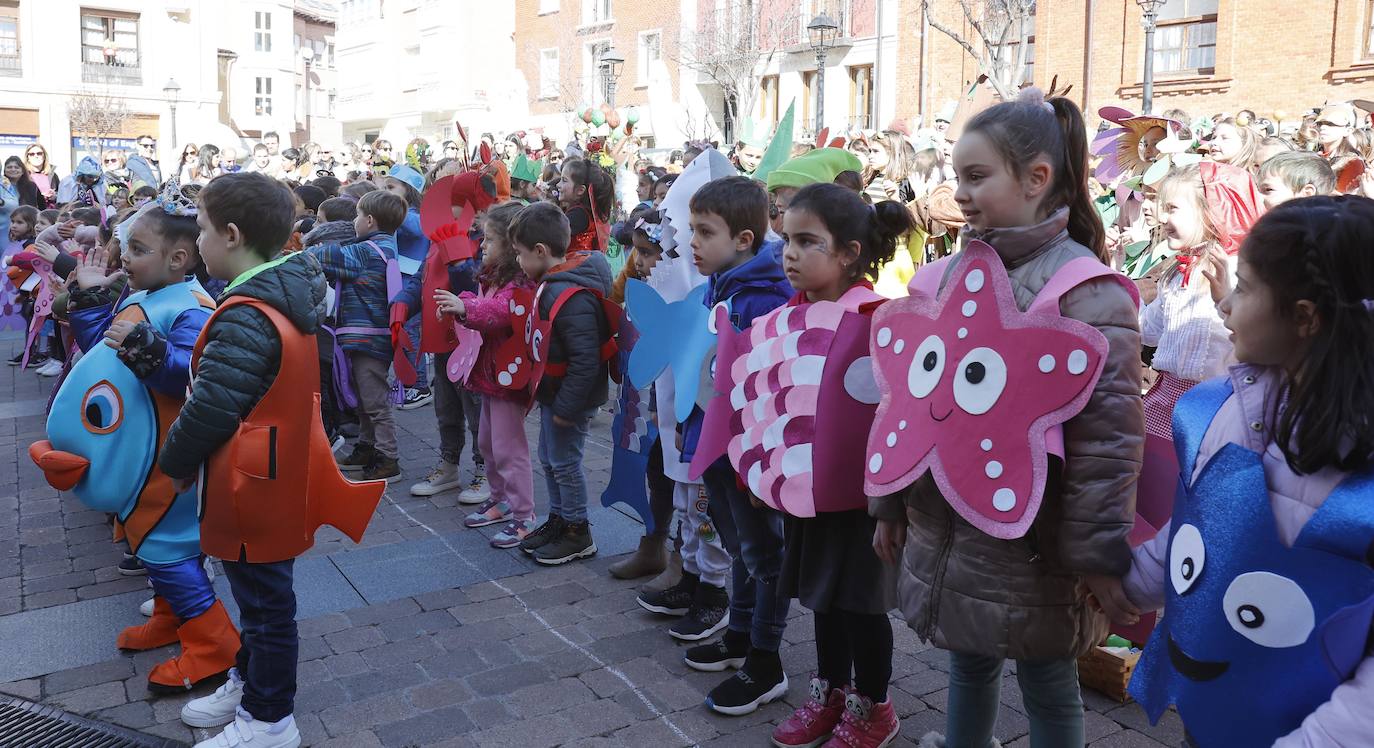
column 996, row 26
column 97, row 115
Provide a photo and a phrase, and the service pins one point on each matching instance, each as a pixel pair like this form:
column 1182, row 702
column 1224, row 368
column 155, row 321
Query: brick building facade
column 1276, row 58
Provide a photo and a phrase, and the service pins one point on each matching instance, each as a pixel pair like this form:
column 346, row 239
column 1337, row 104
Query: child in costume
column 1023, row 592
column 363, row 274
column 729, row 223
column 524, row 180
column 1265, row 569
column 1294, row 174
column 1203, row 208
column 250, row 436
column 111, row 414
column 412, row 246
column 502, row 431
column 451, row 266
column 567, row 399
column 834, row 241
column 586, row 193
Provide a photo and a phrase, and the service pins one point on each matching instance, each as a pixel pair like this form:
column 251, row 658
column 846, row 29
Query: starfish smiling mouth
column 1198, row 670
column 940, row 418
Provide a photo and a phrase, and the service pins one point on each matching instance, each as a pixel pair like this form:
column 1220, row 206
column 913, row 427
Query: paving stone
column 543, row 698
column 383, row 612
column 70, row 580
column 49, row 599
column 322, row 625
column 348, row 663
column 360, row 739
column 453, row 665
column 488, row 712
column 382, row 680
column 314, row 696
column 441, row 599
column 507, row 679
column 428, row 622
column 426, row 728
column 562, row 594
column 439, row 693
column 360, row 715
column 396, row 653
column 113, row 587
column 91, row 699
column 485, row 611
column 31, row 689
column 654, row 732
column 103, row 672
column 135, row 716
column 1129, row 739
column 1169, row 730
column 353, row 640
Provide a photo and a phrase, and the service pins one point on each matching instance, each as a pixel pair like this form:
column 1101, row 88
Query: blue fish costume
column 105, row 428
column 1256, row 635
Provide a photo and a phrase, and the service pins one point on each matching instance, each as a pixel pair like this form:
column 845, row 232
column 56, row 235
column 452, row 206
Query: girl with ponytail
column 1041, row 598
column 836, row 242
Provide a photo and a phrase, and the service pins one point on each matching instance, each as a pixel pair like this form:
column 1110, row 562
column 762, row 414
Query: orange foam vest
column 266, row 490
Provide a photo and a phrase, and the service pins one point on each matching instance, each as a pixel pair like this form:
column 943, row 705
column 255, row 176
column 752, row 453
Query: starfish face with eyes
column 970, row 387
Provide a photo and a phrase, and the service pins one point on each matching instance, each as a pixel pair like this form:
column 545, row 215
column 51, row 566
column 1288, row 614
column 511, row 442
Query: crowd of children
column 1237, row 359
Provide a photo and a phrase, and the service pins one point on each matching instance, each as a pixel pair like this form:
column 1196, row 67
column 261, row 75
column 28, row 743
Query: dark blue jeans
column 754, row 540
column 267, row 617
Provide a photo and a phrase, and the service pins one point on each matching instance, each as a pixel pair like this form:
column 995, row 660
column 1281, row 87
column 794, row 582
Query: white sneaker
column 51, row 369
column 218, row 708
column 147, row 607
column 246, row 731
column 443, row 477
column 477, row 491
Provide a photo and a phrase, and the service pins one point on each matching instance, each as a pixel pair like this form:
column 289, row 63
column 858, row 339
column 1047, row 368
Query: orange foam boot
column 209, row 644
column 158, row 631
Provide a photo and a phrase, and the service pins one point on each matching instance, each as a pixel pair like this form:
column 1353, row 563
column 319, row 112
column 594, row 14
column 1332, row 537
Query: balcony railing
column 9, row 66
column 100, row 72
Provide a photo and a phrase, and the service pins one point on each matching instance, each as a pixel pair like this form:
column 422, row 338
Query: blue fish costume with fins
column 104, row 431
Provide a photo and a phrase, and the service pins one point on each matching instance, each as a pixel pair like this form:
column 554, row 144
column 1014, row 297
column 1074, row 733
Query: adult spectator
column 143, row 165
column 42, row 173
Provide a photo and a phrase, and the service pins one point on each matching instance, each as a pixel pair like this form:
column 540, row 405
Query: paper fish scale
column 794, row 433
column 970, row 386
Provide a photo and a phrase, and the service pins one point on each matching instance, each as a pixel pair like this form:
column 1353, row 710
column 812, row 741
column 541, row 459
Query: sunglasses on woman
column 111, row 161
column 35, row 154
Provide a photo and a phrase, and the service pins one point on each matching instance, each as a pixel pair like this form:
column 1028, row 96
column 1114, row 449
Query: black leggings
column 857, row 642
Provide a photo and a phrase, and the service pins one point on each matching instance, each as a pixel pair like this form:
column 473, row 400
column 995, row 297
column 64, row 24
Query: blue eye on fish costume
column 1256, row 635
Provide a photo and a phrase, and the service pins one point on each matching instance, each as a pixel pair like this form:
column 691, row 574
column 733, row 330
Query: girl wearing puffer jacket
column 502, row 430
column 1039, row 599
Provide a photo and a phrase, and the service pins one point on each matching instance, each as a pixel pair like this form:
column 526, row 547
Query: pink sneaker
column 865, row 724
column 813, row 721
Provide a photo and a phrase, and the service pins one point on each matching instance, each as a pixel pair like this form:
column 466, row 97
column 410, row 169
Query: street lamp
column 308, row 55
column 1150, row 13
column 612, row 62
column 822, row 32
column 170, row 92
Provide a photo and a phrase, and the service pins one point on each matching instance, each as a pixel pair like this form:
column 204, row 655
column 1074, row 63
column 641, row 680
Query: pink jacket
column 489, row 314
column 1347, row 718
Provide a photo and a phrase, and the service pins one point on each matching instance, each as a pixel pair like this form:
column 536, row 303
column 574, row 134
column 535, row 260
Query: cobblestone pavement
column 423, row 635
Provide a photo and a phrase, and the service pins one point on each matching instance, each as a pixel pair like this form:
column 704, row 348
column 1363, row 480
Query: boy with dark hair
column 729, row 221
column 567, row 401
column 311, row 196
column 1294, row 174
column 360, row 271
column 338, row 209
column 250, row 436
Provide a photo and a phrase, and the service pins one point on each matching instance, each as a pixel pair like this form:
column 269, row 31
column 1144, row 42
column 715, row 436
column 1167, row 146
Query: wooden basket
column 1107, row 672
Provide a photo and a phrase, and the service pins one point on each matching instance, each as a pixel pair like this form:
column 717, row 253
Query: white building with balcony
column 412, row 68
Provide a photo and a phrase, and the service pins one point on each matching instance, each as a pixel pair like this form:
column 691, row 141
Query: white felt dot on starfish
column 974, row 281
column 898, row 346
column 963, row 331
column 993, row 469
column 970, row 308
column 1046, row 363
column 901, row 425
column 884, row 336
column 1004, row 500
column 986, row 445
column 503, row 378
column 892, row 438
column 875, row 463
column 1078, row 362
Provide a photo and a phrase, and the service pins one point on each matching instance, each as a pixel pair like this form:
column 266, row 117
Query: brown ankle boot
column 670, row 576
column 650, row 558
column 209, row 644
column 158, row 631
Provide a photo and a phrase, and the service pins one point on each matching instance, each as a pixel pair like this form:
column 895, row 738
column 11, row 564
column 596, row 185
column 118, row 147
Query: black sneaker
column 760, row 681
column 417, row 399
column 710, row 612
column 36, row 360
column 727, row 652
column 674, row 601
column 17, row 360
column 361, row 456
column 542, row 534
column 132, row 567
column 574, row 542
column 383, row 468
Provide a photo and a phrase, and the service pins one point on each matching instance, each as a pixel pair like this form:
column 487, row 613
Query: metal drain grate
column 24, row 724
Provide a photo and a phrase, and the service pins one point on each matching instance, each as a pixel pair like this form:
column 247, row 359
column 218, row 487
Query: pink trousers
column 507, row 454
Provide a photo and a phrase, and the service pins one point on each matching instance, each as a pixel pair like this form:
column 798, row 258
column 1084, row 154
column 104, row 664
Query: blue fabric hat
column 88, row 167
column 408, row 175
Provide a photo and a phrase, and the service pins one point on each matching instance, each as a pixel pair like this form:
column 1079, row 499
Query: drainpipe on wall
column 1088, row 55
column 877, row 72
column 927, row 119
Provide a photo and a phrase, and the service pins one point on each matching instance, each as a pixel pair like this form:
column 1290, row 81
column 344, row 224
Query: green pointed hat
column 525, row 169
column 779, row 148
column 753, row 132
